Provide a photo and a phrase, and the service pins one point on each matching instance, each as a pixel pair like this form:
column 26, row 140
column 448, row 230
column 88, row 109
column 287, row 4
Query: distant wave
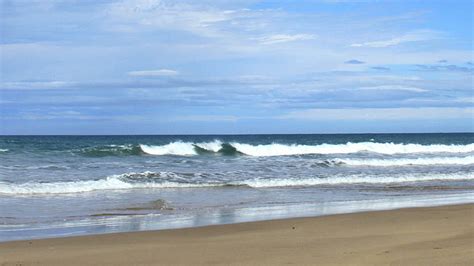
column 111, row 150
column 35, row 167
column 424, row 161
column 382, row 148
column 218, row 147
column 173, row 180
column 3, row 150
column 189, row 148
column 275, row 149
column 402, row 162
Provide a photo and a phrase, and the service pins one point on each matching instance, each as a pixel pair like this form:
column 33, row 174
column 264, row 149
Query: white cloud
column 422, row 35
column 35, row 85
column 169, row 15
column 424, row 113
column 68, row 114
column 206, row 118
column 281, row 38
column 393, row 88
column 465, row 100
column 153, row 73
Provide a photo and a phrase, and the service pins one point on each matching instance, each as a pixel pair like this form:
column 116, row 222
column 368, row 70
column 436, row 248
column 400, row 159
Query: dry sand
column 416, row 236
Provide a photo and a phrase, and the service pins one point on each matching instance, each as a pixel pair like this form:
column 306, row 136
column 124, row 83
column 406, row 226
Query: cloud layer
column 161, row 66
column 153, row 73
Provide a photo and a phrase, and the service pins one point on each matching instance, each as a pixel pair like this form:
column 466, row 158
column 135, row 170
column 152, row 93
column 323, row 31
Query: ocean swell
column 165, row 180
column 111, row 150
column 276, row 149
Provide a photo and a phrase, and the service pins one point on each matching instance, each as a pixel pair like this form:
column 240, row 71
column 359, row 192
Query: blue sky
column 235, row 67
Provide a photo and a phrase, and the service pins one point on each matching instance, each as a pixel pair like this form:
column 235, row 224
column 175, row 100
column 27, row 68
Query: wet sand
column 413, row 236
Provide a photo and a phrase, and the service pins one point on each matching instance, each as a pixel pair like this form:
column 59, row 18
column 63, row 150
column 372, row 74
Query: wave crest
column 405, row 161
column 356, row 179
column 190, row 148
column 165, row 180
column 115, row 182
column 111, row 150
column 276, row 149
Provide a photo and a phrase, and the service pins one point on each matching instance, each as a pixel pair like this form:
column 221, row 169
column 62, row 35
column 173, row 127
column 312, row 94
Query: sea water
column 54, row 186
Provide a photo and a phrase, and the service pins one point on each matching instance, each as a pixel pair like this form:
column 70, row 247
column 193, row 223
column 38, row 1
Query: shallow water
column 72, row 185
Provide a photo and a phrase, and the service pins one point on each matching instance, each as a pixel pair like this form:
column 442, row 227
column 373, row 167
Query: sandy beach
column 415, row 236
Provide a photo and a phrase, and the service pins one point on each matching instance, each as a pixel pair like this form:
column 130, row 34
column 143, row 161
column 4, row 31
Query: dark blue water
column 72, row 185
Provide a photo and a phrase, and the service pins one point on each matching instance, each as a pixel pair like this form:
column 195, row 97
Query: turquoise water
column 73, row 185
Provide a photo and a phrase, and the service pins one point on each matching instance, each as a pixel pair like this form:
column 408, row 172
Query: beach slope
column 415, row 236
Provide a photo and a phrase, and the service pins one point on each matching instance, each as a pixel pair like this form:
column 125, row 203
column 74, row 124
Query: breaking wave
column 218, row 147
column 355, row 179
column 275, row 149
column 114, row 182
column 173, row 180
column 189, row 148
column 402, row 161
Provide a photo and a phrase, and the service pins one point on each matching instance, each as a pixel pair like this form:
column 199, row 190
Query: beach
column 160, row 132
column 412, row 236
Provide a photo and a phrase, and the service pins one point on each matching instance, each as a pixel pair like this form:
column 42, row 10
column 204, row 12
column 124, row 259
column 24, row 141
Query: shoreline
column 244, row 215
column 418, row 235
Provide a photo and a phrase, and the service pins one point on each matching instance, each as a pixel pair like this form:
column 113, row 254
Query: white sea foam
column 382, row 148
column 354, row 179
column 174, row 148
column 181, row 148
column 172, row 180
column 276, row 149
column 114, row 182
column 3, row 150
column 406, row 161
column 63, row 187
column 214, row 146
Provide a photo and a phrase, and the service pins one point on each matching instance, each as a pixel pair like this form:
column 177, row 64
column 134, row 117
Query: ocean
column 52, row 186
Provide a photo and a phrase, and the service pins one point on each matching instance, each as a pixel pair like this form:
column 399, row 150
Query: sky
column 235, row 67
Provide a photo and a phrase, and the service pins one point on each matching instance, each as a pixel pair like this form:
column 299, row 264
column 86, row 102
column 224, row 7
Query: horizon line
column 227, row 134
